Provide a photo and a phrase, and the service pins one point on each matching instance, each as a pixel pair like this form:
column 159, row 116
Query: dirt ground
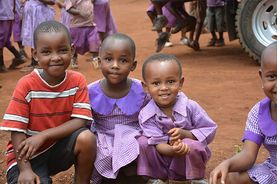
column 224, row 81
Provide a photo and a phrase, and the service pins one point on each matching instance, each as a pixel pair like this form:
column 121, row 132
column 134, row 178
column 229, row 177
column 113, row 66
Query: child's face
column 163, row 82
column 268, row 74
column 116, row 61
column 53, row 53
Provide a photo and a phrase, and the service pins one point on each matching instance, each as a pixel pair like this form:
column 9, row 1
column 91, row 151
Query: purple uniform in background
column 17, row 24
column 188, row 115
column 214, row 3
column 6, row 20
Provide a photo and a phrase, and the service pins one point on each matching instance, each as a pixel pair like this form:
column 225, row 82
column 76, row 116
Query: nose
column 164, row 87
column 55, row 57
column 115, row 64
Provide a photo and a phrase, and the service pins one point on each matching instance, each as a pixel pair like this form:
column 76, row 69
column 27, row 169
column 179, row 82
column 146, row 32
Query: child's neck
column 116, row 90
column 167, row 111
column 273, row 111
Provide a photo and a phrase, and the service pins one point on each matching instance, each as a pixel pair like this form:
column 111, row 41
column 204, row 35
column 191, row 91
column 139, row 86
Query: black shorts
column 59, row 157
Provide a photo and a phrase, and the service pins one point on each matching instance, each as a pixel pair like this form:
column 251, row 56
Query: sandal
column 194, row 45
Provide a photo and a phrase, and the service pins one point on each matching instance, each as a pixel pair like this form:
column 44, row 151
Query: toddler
column 176, row 130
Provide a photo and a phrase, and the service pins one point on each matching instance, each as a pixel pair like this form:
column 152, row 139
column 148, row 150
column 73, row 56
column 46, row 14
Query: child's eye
column 108, row 59
column 156, row 83
column 65, row 50
column 171, row 81
column 123, row 60
column 45, row 52
column 271, row 77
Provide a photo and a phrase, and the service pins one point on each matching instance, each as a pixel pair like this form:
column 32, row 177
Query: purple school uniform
column 6, row 19
column 116, row 126
column 215, row 3
column 65, row 18
column 171, row 18
column 155, row 124
column 262, row 129
column 103, row 17
column 17, row 24
column 35, row 12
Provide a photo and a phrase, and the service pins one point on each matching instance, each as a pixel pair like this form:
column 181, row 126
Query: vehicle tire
column 256, row 24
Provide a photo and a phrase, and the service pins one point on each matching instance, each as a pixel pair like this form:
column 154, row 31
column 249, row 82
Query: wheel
column 256, row 24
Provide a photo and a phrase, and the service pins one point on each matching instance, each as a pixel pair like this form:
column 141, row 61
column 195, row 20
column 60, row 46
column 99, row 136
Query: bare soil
column 224, row 81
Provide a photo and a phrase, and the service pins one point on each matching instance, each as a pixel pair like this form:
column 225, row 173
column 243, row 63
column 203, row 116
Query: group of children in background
column 89, row 23
column 140, row 130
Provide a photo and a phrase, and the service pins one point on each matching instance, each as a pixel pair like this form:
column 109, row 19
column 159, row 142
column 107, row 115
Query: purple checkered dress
column 116, row 126
column 261, row 129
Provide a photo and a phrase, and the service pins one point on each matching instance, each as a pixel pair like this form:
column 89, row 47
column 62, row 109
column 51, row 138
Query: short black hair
column 159, row 58
column 50, row 26
column 120, row 36
column 266, row 50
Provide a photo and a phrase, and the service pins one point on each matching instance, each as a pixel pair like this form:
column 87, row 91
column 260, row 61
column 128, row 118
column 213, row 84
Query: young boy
column 215, row 18
column 176, row 129
column 48, row 113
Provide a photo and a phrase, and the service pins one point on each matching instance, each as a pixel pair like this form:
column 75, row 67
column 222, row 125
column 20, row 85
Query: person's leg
column 235, row 178
column 211, row 26
column 161, row 20
column 219, row 19
column 18, row 58
column 85, row 153
column 2, row 65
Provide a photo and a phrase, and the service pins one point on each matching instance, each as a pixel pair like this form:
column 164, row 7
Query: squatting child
column 48, row 113
column 176, row 130
column 116, row 101
column 261, row 128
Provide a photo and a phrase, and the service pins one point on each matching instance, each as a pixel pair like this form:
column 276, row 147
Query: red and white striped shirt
column 36, row 106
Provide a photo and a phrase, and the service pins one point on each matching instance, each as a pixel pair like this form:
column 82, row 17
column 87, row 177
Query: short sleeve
column 252, row 131
column 16, row 117
column 81, row 106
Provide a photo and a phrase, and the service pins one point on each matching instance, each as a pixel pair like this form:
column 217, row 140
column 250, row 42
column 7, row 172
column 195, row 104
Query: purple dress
column 261, row 129
column 103, row 17
column 155, row 124
column 171, row 18
column 6, row 19
column 35, row 12
column 65, row 18
column 116, row 126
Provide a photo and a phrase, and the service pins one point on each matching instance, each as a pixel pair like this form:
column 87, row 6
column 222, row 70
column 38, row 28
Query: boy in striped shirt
column 48, row 114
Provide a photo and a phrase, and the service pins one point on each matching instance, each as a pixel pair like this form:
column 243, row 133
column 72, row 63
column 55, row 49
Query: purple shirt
column 214, row 3
column 188, row 115
column 6, row 9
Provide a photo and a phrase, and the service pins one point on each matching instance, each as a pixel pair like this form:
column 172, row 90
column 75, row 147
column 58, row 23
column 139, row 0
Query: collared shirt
column 187, row 114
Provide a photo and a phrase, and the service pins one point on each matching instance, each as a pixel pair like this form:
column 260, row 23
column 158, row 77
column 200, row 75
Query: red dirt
column 224, row 81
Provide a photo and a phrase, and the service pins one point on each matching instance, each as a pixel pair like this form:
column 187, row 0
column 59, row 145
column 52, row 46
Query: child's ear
column 144, row 86
column 34, row 54
column 181, row 83
column 134, row 65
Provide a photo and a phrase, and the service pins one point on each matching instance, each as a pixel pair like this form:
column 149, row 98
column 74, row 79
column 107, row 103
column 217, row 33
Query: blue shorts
column 59, row 157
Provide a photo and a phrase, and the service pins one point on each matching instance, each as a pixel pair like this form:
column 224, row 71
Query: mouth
column 164, row 96
column 55, row 65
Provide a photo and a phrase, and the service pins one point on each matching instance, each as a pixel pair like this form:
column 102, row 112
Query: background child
column 35, row 12
column 103, row 18
column 47, row 115
column 17, row 26
column 82, row 28
column 176, row 130
column 6, row 21
column 65, row 16
column 261, row 128
column 116, row 101
column 215, row 18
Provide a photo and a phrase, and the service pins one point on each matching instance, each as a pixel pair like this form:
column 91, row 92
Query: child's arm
column 26, row 174
column 48, row 2
column 240, row 162
column 29, row 146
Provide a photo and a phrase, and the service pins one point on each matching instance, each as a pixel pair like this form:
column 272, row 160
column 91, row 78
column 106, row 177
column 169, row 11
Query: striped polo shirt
column 36, row 106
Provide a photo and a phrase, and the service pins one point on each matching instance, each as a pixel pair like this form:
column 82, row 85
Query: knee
column 86, row 140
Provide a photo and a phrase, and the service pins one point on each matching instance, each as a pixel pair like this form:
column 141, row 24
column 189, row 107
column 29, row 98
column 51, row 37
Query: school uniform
column 6, row 20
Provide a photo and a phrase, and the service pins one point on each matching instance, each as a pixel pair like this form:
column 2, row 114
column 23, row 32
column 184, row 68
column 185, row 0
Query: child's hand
column 29, row 146
column 180, row 148
column 28, row 176
column 221, row 172
column 175, row 134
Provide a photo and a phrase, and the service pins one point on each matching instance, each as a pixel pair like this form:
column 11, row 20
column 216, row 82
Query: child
column 35, row 12
column 17, row 27
column 82, row 28
column 6, row 21
column 48, row 114
column 103, row 18
column 65, row 16
column 176, row 130
column 116, row 101
column 215, row 18
column 261, row 128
